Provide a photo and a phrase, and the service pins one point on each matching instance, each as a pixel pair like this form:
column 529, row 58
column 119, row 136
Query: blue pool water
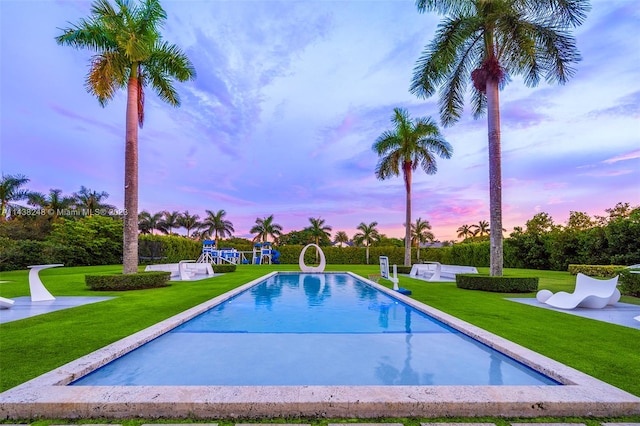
column 313, row 329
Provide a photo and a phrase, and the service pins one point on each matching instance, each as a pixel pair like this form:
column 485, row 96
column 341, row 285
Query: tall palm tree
column 484, row 42
column 465, row 231
column 169, row 221
column 341, row 237
column 148, row 222
column 129, row 52
column 189, row 221
column 92, row 201
column 11, row 191
column 265, row 228
column 410, row 144
column 481, row 229
column 53, row 203
column 217, row 226
column 421, row 233
column 367, row 235
column 318, row 230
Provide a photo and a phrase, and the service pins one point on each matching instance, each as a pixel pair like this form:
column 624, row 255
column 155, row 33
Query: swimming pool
column 50, row 396
column 313, row 329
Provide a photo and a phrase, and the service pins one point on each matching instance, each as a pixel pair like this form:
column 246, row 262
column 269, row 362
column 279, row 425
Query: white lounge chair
column 589, row 293
column 6, row 303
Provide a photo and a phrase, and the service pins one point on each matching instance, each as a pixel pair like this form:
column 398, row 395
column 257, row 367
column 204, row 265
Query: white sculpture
column 304, row 267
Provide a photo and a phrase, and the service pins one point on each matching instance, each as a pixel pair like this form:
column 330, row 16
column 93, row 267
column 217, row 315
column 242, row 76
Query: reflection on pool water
column 313, row 329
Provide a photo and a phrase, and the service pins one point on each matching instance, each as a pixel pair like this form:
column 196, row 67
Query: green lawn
column 39, row 344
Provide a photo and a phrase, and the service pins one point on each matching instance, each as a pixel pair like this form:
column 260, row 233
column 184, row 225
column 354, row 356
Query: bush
column 221, row 269
column 121, row 282
column 600, row 271
column 629, row 283
column 497, row 284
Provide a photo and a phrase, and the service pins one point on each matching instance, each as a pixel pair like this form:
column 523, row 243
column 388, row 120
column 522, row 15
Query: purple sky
column 289, row 98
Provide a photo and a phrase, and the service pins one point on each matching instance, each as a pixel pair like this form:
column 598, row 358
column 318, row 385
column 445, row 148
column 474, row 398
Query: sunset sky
column 289, row 98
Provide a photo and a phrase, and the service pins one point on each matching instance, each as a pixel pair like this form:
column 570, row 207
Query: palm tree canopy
column 216, row 225
column 499, row 37
column 127, row 44
column 265, row 228
column 421, row 231
column 414, row 142
column 318, row 229
column 11, row 191
column 367, row 234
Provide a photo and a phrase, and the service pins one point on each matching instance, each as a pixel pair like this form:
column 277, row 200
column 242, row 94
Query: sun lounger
column 435, row 271
column 588, row 293
column 6, row 303
column 185, row 270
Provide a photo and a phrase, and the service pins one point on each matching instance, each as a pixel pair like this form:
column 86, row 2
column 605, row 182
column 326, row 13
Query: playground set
column 262, row 253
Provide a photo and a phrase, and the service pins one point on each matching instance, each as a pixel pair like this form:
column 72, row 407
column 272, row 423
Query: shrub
column 497, row 284
column 629, row 283
column 601, row 271
column 120, row 282
column 221, row 269
column 403, row 269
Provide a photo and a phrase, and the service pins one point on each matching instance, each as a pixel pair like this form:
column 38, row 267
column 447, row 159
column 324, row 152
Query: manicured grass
column 39, row 344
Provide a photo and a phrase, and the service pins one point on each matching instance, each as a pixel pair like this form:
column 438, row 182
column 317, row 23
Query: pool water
column 313, row 329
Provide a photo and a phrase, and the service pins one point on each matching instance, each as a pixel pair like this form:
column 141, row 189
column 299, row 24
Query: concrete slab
column 49, row 396
column 25, row 308
column 620, row 313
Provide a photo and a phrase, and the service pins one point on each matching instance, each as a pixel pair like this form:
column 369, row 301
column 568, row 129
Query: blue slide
column 275, row 255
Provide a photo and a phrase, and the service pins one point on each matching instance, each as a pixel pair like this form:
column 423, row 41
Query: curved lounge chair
column 6, row 303
column 589, row 293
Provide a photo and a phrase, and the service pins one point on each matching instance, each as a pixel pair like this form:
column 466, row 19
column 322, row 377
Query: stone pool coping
column 47, row 396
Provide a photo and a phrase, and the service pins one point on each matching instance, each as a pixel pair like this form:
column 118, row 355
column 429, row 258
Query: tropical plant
column 410, row 144
column 129, row 52
column 189, row 221
column 367, row 235
column 217, row 226
column 53, row 203
column 341, row 238
column 11, row 191
column 421, row 233
column 265, row 228
column 485, row 42
column 170, row 220
column 319, row 230
column 481, row 229
column 465, row 231
column 92, row 201
column 148, row 222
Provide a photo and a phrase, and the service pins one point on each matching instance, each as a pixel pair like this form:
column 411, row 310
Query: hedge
column 224, row 268
column 503, row 284
column 121, row 282
column 600, row 271
column 629, row 283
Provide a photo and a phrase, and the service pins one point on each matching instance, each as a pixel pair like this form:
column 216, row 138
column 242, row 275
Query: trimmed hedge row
column 224, row 268
column 497, row 284
column 121, row 282
column 629, row 283
column 601, row 271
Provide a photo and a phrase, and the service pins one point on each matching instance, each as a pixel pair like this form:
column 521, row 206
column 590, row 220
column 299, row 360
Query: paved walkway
column 620, row 313
column 25, row 308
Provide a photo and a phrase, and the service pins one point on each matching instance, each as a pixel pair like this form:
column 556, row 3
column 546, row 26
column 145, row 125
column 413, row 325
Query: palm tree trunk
column 407, row 232
column 130, row 237
column 495, row 177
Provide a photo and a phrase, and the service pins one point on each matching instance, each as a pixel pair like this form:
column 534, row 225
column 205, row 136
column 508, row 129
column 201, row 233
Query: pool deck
column 47, row 396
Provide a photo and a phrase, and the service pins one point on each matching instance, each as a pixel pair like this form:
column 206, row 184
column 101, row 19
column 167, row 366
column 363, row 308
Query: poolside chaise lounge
column 184, row 270
column 6, row 303
column 588, row 293
column 435, row 271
